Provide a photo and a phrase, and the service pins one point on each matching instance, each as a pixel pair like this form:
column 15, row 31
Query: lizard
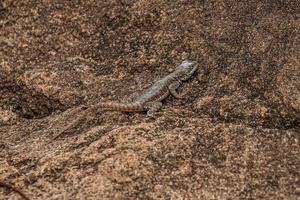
column 151, row 99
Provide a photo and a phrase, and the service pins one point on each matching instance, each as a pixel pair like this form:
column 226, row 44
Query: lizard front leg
column 153, row 107
column 172, row 88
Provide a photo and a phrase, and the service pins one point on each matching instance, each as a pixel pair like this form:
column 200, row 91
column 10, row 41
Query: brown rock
column 234, row 136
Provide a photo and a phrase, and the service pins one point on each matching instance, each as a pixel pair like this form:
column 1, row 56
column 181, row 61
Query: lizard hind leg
column 152, row 108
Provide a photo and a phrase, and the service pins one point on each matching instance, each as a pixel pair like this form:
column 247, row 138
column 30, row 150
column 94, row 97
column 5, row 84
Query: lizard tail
column 125, row 107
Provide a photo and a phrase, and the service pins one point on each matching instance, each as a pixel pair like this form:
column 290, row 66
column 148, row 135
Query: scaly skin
column 151, row 99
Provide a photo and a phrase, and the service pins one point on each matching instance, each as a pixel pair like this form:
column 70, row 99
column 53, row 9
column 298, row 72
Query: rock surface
column 234, row 136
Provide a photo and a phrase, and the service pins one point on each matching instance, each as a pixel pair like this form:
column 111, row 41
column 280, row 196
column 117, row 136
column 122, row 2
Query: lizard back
column 157, row 92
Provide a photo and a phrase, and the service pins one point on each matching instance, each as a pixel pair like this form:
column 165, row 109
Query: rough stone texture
column 234, row 136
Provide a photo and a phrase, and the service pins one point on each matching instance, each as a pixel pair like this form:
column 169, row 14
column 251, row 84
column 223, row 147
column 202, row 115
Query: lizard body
column 152, row 97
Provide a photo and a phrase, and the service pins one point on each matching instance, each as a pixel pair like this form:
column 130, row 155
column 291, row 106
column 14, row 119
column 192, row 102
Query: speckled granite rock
column 234, row 136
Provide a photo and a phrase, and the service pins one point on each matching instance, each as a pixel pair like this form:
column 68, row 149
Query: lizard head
column 186, row 69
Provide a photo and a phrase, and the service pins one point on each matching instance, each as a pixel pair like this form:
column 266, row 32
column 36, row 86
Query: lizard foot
column 152, row 108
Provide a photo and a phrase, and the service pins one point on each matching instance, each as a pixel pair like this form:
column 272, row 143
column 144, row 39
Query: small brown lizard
column 151, row 99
